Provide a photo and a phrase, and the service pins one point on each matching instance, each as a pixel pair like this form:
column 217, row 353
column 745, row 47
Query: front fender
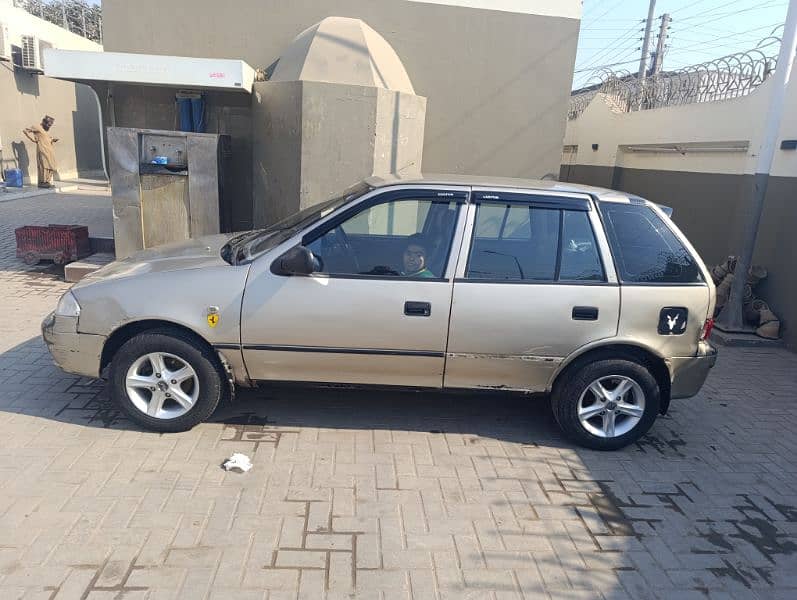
column 184, row 298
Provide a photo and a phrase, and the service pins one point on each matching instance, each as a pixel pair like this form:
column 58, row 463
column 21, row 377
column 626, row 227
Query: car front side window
column 404, row 237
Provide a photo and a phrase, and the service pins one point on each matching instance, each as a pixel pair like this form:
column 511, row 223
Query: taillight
column 707, row 327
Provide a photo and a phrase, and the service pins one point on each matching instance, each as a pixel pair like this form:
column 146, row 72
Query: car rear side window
column 523, row 242
column 645, row 248
column 580, row 258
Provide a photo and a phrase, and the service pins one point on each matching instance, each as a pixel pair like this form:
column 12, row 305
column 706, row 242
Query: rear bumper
column 74, row 352
column 690, row 372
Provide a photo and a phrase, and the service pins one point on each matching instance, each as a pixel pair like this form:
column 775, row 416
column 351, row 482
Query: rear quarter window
column 644, row 247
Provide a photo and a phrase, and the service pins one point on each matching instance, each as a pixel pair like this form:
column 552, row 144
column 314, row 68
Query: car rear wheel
column 165, row 381
column 607, row 404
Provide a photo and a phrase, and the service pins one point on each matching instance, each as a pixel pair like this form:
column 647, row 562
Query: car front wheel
column 165, row 381
column 607, row 404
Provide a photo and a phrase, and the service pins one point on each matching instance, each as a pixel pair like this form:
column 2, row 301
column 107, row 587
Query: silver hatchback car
column 589, row 296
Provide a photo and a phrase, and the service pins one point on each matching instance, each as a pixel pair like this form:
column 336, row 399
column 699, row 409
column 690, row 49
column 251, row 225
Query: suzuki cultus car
column 589, row 296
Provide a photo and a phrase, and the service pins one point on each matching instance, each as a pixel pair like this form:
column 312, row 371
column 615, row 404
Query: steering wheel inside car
column 335, row 244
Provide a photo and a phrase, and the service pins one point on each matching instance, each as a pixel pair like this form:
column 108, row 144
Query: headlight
column 68, row 306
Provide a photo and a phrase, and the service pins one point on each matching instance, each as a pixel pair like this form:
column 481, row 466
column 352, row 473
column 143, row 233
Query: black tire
column 573, row 383
column 194, row 352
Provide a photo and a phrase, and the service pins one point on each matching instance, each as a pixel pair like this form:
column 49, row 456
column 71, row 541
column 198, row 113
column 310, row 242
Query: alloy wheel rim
column 611, row 406
column 162, row 385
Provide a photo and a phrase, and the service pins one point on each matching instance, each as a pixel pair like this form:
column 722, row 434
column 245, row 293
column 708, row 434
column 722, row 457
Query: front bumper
column 690, row 372
column 78, row 353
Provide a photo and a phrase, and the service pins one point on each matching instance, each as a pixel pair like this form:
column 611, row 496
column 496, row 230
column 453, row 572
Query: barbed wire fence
column 77, row 16
column 722, row 78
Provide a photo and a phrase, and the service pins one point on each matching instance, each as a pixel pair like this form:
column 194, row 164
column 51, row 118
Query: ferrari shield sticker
column 213, row 316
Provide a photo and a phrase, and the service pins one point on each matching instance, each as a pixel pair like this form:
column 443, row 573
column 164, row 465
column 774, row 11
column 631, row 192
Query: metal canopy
column 149, row 69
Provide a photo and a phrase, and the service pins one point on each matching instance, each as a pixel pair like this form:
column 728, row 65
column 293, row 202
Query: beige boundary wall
column 700, row 159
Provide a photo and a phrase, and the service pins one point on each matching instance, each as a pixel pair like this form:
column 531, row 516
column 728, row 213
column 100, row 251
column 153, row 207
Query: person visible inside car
column 415, row 258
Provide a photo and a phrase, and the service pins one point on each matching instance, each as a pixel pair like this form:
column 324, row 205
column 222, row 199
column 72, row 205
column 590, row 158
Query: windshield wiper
column 231, row 250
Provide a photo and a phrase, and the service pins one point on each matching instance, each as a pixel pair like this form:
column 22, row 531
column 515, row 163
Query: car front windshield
column 280, row 231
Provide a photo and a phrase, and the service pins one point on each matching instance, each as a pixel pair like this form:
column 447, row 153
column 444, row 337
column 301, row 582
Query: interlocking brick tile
column 271, row 579
column 301, row 559
column 325, row 541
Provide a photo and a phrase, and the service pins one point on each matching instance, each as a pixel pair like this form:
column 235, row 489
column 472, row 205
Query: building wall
column 277, row 112
column 26, row 97
column 319, row 138
column 497, row 81
column 708, row 189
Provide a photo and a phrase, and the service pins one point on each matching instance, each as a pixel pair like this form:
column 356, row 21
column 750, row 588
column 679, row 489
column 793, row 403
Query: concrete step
column 75, row 271
column 747, row 339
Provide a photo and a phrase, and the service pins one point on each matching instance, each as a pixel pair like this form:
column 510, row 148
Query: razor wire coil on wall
column 722, row 78
column 78, row 16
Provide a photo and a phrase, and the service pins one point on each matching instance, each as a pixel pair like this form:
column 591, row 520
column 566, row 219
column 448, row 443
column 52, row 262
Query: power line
column 624, row 20
column 604, row 28
column 619, row 41
column 740, row 36
column 724, row 4
column 610, row 9
column 591, row 8
column 721, row 6
column 610, row 56
column 622, row 53
column 720, row 16
column 615, row 53
column 605, row 66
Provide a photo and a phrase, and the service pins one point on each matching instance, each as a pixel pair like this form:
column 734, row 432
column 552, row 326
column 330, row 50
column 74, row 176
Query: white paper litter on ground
column 237, row 462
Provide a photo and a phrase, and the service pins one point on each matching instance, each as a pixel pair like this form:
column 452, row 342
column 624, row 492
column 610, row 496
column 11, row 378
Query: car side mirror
column 296, row 261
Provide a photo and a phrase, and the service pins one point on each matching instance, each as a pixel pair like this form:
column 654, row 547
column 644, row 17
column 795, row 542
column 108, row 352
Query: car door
column 364, row 318
column 530, row 288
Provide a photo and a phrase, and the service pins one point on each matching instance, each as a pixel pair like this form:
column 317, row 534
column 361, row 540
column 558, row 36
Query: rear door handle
column 585, row 313
column 417, row 309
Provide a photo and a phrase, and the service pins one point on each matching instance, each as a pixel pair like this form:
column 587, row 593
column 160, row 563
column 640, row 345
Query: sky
column 700, row 30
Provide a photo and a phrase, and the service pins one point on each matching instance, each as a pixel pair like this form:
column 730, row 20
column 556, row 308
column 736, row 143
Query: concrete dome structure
column 344, row 51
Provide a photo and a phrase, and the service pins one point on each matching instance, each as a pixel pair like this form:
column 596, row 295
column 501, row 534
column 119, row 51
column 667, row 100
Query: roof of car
column 503, row 182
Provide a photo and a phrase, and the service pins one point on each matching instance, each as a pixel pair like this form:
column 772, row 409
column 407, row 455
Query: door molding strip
column 333, row 350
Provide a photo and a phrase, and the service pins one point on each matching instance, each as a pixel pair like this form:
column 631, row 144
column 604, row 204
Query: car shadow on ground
column 43, row 390
column 502, row 416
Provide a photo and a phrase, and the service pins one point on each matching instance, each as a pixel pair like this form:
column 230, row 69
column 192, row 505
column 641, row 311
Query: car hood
column 192, row 254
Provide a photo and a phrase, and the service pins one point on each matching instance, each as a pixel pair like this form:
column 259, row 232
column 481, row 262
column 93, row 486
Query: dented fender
column 78, row 353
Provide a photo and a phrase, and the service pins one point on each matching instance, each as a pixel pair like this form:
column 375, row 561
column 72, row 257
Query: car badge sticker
column 673, row 320
column 213, row 316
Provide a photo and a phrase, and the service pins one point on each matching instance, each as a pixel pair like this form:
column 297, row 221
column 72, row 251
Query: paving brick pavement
column 382, row 495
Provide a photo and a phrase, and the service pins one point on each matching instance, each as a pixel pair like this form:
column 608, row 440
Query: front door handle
column 417, row 309
column 585, row 313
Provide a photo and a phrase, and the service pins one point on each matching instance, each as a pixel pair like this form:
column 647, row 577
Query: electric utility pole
column 730, row 319
column 658, row 57
column 643, row 60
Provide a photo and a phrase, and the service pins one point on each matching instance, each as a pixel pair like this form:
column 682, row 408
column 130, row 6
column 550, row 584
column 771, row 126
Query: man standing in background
column 45, row 157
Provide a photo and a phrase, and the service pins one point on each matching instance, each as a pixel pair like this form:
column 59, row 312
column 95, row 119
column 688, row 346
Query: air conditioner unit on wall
column 5, row 43
column 31, row 59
